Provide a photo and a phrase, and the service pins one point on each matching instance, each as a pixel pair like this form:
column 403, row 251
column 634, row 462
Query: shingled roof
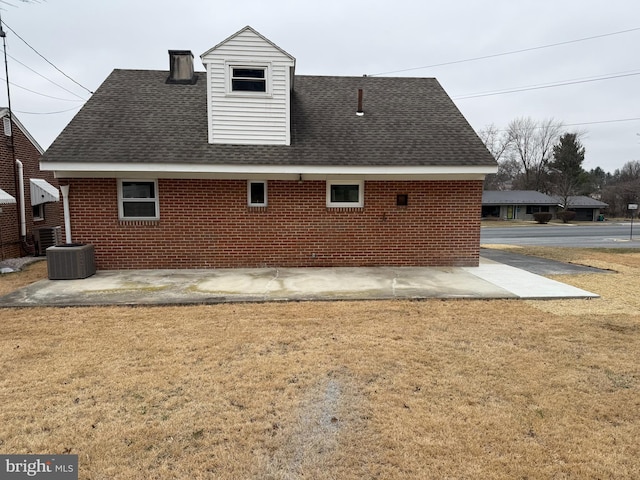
column 136, row 117
column 516, row 197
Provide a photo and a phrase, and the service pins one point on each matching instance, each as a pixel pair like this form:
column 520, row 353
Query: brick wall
column 28, row 154
column 207, row 223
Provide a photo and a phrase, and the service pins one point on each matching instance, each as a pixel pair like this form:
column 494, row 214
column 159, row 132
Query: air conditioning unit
column 46, row 237
column 71, row 261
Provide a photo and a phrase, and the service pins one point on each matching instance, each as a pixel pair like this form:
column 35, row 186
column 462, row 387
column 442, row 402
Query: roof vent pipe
column 360, row 111
column 181, row 67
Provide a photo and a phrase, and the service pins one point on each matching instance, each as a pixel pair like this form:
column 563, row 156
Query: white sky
column 88, row 38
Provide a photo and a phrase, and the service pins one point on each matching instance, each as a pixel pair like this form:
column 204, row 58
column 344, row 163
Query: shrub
column 542, row 217
column 566, row 215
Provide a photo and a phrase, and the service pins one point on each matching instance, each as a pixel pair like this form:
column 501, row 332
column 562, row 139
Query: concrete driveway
column 166, row 287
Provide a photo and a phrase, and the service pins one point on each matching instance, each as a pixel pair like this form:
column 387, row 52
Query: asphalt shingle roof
column 516, row 197
column 136, row 117
column 582, row 201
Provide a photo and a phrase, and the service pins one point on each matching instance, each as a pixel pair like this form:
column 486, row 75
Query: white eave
column 5, row 198
column 267, row 172
column 42, row 192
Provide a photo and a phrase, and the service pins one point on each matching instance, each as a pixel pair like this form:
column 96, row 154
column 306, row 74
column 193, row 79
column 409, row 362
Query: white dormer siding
column 245, row 115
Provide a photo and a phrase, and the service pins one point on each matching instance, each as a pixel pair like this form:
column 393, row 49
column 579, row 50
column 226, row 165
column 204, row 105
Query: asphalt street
column 597, row 236
column 537, row 265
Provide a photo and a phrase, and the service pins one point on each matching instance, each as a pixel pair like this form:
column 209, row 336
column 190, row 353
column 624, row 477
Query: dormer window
column 249, row 79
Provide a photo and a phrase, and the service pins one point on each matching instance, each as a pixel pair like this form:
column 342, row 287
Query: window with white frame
column 138, row 199
column 248, row 79
column 257, row 193
column 345, row 193
column 38, row 212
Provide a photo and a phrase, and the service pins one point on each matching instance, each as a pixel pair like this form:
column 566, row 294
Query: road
column 600, row 235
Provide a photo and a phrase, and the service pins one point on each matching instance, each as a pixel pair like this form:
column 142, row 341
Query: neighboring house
column 250, row 165
column 29, row 198
column 516, row 204
column 522, row 204
column 587, row 209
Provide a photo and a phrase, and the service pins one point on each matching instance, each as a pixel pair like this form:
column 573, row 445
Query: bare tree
column 532, row 143
column 622, row 189
column 508, row 176
column 496, row 140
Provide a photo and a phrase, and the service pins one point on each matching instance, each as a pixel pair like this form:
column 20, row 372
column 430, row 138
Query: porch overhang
column 5, row 198
column 42, row 192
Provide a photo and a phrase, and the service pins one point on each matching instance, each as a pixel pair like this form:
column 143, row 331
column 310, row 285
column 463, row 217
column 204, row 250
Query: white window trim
column 229, row 76
column 40, row 217
column 264, row 204
column 121, row 199
column 358, row 204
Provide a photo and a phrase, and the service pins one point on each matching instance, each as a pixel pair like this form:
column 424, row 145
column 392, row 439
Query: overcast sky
column 88, row 39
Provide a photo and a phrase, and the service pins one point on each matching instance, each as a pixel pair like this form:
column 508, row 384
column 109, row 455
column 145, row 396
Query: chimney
column 360, row 111
column 181, row 67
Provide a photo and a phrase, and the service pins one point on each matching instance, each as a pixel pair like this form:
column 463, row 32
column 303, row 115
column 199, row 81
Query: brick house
column 29, row 198
column 250, row 165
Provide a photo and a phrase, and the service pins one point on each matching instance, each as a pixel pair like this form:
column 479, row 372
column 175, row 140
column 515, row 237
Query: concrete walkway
column 169, row 287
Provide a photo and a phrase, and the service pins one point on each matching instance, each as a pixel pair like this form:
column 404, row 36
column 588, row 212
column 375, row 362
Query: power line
column 48, row 79
column 603, row 121
column 512, row 52
column 48, row 113
column 43, row 94
column 543, row 86
column 597, row 122
column 45, row 59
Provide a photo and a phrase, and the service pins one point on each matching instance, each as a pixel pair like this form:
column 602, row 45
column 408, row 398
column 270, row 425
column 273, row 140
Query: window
column 531, row 209
column 38, row 212
column 257, row 193
column 249, row 79
column 138, row 199
column 345, row 193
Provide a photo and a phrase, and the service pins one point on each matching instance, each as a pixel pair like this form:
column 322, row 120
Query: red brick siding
column 28, row 154
column 207, row 223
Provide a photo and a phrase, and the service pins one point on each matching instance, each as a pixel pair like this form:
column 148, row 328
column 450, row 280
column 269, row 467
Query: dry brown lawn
column 344, row 390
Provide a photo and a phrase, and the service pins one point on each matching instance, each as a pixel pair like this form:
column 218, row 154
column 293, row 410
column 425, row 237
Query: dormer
column 249, row 83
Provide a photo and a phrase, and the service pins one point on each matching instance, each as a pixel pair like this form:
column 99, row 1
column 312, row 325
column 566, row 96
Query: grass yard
column 346, row 390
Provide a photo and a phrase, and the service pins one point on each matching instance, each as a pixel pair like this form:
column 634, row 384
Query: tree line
column 544, row 156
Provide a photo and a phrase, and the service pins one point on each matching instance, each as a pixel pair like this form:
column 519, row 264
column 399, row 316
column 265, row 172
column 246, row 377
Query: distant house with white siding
column 249, row 165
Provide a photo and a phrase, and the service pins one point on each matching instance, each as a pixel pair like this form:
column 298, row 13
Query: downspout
column 67, row 215
column 23, row 221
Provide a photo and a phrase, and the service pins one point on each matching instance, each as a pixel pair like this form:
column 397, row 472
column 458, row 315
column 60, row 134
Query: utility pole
column 19, row 205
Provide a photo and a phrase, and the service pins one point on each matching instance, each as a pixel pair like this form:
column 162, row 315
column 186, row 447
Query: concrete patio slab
column 166, row 287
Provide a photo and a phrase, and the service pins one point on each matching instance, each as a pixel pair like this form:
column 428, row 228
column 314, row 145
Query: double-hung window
column 345, row 193
column 138, row 199
column 248, row 79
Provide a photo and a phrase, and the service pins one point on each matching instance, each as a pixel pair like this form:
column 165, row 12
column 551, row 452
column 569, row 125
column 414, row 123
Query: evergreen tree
column 569, row 178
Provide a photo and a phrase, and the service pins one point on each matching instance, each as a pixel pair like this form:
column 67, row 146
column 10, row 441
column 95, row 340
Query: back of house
column 247, row 164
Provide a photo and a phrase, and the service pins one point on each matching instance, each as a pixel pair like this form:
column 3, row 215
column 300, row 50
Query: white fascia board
column 284, row 172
